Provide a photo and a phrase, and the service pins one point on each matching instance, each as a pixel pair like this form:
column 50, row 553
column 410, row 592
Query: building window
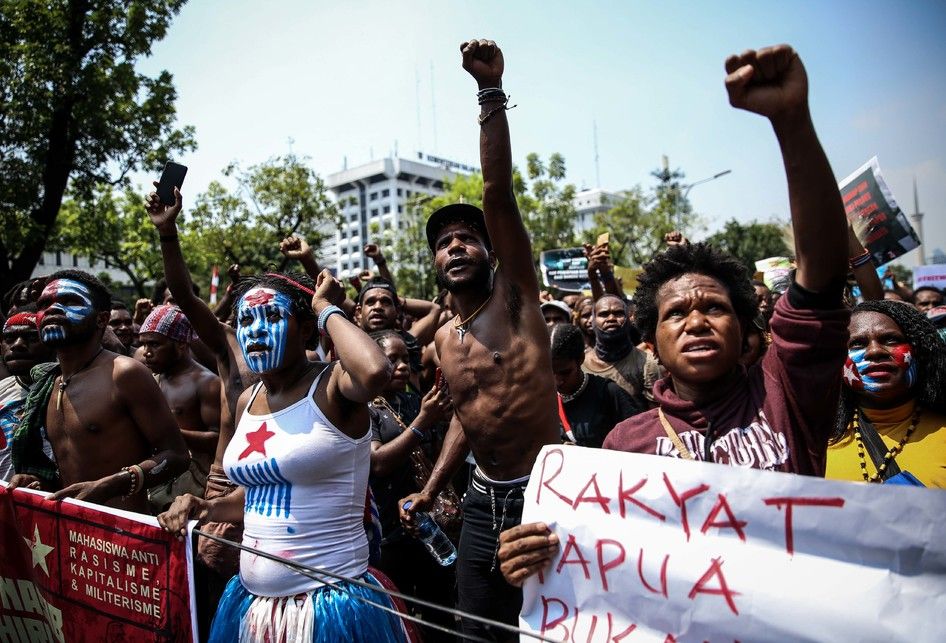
column 408, row 193
column 58, row 257
column 75, row 261
column 374, row 212
column 400, row 208
column 344, row 265
column 400, row 192
column 387, row 209
column 353, row 217
column 373, row 197
column 385, row 193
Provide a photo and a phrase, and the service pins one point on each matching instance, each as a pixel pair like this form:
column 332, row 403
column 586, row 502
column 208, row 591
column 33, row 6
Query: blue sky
column 352, row 79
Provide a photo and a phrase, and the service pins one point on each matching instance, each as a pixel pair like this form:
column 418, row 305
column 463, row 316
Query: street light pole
column 689, row 187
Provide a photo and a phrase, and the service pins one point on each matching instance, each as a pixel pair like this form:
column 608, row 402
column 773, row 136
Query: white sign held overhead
column 930, row 275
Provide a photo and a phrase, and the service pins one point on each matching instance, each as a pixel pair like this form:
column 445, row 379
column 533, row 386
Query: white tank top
column 305, row 484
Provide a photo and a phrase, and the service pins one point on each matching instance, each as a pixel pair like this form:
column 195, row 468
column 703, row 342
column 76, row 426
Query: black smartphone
column 172, row 177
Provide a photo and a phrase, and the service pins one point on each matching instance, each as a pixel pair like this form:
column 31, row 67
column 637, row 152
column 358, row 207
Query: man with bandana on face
column 112, row 433
column 892, row 415
column 192, row 392
column 614, row 356
column 21, row 350
column 494, row 354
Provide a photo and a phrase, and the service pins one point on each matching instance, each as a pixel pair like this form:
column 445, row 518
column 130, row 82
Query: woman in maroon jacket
column 695, row 303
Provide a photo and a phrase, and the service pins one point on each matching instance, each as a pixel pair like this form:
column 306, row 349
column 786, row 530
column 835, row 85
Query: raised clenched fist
column 484, row 61
column 771, row 81
column 676, row 238
column 329, row 291
column 294, row 247
column 233, row 272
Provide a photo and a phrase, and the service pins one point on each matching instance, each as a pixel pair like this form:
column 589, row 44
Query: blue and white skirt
column 328, row 614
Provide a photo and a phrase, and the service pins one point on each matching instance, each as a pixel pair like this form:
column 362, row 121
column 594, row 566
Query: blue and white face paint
column 858, row 370
column 64, row 298
column 262, row 322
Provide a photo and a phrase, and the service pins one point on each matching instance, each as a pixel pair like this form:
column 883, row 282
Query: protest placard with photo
column 663, row 549
column 565, row 269
column 875, row 216
column 73, row 571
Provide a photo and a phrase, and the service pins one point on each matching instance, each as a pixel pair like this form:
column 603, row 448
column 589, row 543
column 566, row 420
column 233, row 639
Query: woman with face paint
column 301, row 455
column 892, row 414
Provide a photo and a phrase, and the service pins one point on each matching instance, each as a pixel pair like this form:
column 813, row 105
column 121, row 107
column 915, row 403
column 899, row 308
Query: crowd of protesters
column 316, row 423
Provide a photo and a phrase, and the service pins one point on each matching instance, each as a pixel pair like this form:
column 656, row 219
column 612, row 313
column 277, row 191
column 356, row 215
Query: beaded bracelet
column 137, row 479
column 327, row 312
column 860, row 260
column 490, row 94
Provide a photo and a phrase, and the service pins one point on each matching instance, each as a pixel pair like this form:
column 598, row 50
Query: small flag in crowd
column 214, row 282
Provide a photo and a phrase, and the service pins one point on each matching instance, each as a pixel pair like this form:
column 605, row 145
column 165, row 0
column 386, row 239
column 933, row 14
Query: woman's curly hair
column 699, row 258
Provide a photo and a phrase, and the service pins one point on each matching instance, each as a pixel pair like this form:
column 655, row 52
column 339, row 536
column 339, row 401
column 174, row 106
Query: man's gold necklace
column 463, row 325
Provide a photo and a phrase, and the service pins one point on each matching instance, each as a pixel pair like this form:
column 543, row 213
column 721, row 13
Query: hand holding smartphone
column 172, row 177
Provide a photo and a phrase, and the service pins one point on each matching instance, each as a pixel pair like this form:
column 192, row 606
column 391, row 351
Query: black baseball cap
column 465, row 213
column 377, row 282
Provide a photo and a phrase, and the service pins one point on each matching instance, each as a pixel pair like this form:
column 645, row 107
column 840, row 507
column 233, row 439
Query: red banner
column 72, row 571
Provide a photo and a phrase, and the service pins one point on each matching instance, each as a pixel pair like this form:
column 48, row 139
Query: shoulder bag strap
column 677, row 442
column 875, row 447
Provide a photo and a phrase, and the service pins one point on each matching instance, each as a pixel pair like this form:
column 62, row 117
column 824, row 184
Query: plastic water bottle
column 433, row 538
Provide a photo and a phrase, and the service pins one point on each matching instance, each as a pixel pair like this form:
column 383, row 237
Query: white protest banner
column 930, row 275
column 662, row 549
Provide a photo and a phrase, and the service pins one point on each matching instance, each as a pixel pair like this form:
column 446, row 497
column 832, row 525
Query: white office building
column 54, row 260
column 588, row 203
column 374, row 196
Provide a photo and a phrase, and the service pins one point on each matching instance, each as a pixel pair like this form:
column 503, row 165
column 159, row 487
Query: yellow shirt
column 924, row 455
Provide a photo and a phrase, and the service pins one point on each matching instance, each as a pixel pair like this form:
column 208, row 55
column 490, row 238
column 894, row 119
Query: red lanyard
column 564, row 419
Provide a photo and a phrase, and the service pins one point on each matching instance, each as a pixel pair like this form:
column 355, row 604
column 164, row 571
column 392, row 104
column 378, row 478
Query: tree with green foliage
column 111, row 226
column 74, row 111
column 751, row 241
column 547, row 206
column 639, row 219
column 272, row 200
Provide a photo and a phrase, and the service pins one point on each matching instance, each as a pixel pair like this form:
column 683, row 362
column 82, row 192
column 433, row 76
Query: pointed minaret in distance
column 917, row 219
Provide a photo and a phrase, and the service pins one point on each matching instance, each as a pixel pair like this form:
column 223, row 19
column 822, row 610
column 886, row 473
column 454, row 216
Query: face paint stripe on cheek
column 903, row 355
column 856, row 357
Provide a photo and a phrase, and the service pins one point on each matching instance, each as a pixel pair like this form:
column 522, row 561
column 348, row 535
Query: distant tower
column 917, row 218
